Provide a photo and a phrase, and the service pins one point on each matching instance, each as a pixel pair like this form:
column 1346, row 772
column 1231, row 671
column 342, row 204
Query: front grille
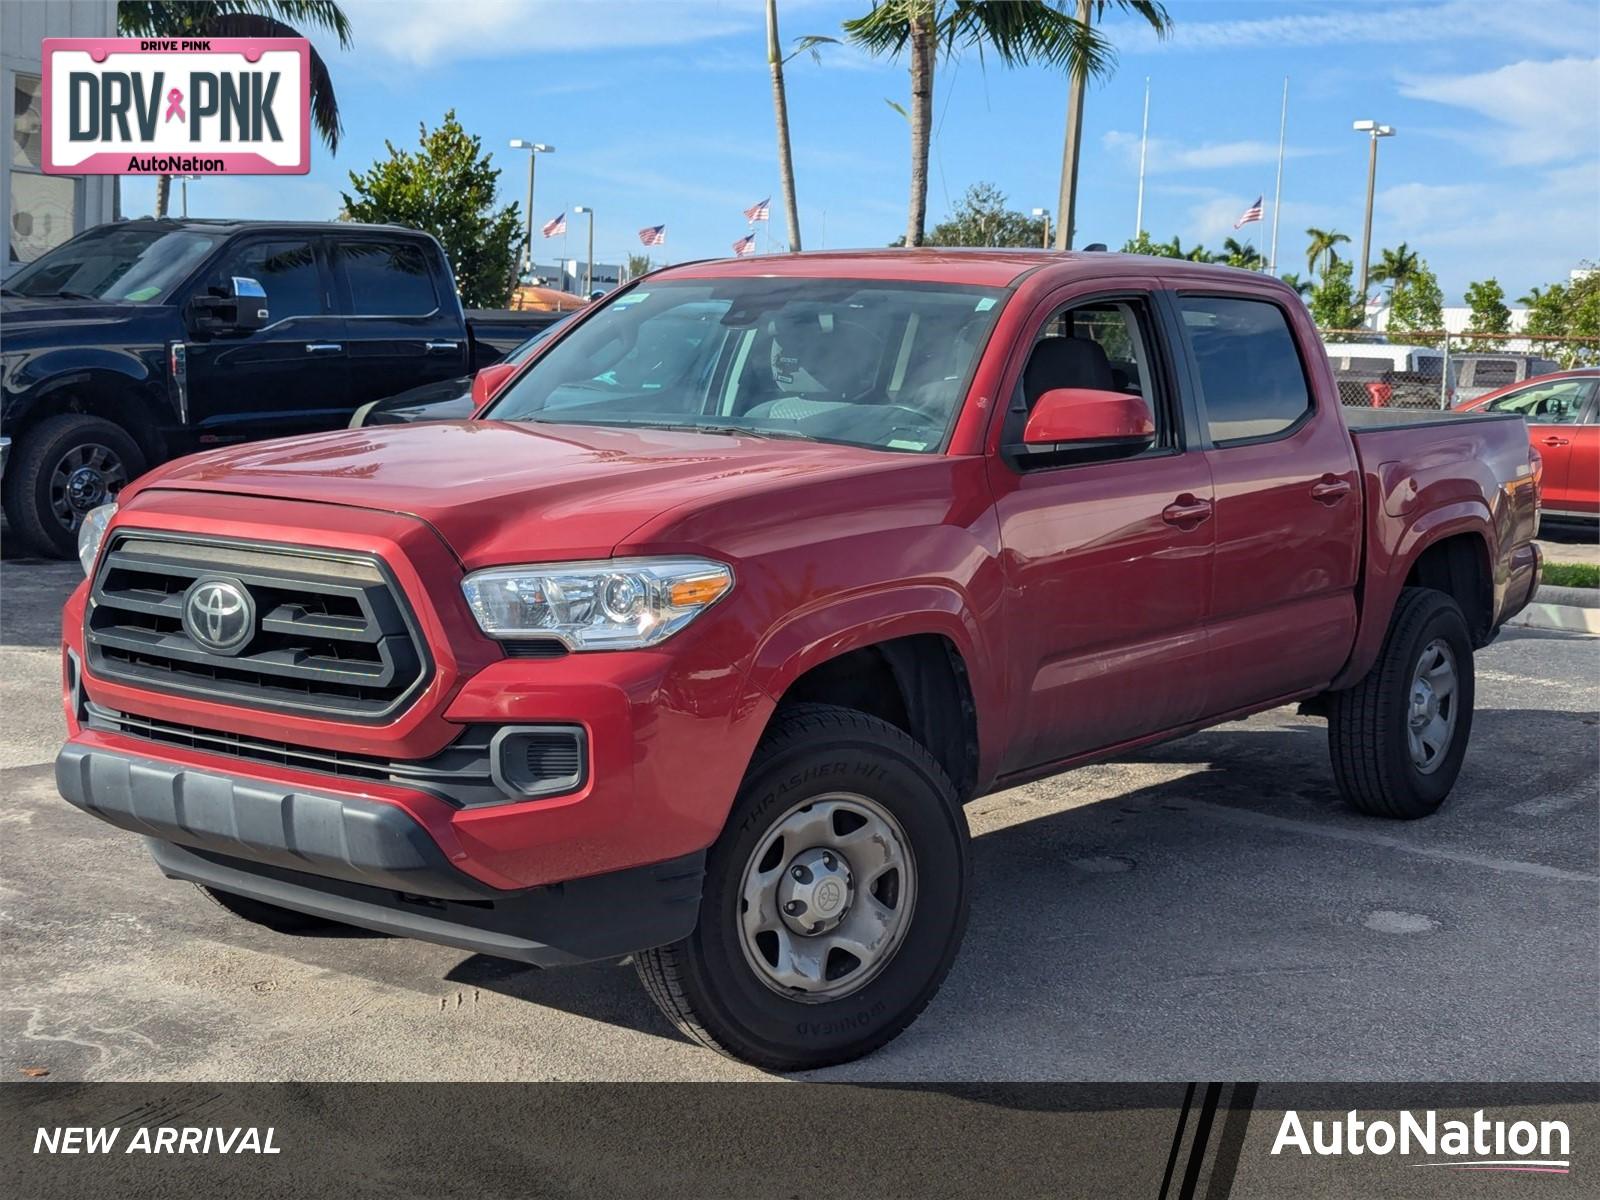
column 332, row 635
column 460, row 773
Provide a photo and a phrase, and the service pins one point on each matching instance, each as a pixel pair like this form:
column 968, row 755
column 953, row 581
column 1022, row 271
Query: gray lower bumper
column 367, row 863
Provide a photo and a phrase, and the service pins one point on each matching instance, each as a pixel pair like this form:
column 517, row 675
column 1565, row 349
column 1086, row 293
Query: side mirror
column 487, row 382
column 241, row 309
column 250, row 303
column 1088, row 419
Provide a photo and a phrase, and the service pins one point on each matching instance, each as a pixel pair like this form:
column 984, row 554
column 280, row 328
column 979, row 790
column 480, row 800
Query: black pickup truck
column 142, row 340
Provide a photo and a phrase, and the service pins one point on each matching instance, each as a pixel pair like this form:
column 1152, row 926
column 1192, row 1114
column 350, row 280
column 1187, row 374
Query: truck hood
column 502, row 492
column 26, row 312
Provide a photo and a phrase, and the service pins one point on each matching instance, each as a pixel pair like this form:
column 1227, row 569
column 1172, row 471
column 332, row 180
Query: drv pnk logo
column 193, row 106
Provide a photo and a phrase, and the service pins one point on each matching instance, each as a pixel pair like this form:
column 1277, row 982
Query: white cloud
column 426, row 32
column 1544, row 111
column 1549, row 23
column 1167, row 155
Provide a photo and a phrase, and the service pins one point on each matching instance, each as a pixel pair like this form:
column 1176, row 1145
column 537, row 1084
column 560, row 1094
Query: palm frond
column 1019, row 34
column 324, row 104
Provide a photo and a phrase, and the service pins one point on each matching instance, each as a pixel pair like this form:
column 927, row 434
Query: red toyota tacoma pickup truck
column 693, row 644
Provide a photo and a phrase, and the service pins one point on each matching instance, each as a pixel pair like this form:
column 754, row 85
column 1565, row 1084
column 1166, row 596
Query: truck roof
column 229, row 225
column 977, row 267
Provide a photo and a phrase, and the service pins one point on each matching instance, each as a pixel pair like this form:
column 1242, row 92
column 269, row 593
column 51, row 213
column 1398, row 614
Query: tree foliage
column 1321, row 247
column 1333, row 301
column 982, row 219
column 1417, row 308
column 1487, row 300
column 447, row 187
column 1568, row 310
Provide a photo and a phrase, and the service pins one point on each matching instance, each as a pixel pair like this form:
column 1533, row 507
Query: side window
column 1251, row 377
column 1105, row 345
column 1493, row 372
column 286, row 270
column 388, row 279
column 1558, row 403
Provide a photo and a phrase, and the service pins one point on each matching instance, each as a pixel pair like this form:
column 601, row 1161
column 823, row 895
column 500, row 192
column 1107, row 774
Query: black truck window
column 388, row 279
column 288, row 272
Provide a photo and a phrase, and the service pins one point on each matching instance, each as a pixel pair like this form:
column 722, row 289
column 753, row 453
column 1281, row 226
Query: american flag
column 745, row 245
column 555, row 228
column 758, row 212
column 1253, row 213
column 653, row 235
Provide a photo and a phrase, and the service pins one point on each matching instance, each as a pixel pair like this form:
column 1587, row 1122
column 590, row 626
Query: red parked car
column 1563, row 414
column 695, row 643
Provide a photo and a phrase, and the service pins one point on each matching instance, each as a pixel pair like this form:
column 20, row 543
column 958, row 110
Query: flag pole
column 1277, row 191
column 1144, row 141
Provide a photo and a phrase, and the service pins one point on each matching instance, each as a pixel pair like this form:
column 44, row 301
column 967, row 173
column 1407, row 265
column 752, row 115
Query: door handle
column 1330, row 491
column 323, row 347
column 432, row 346
column 1186, row 512
column 1553, row 440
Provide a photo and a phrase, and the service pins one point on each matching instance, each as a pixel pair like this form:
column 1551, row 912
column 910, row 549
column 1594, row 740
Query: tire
column 270, row 916
column 826, row 766
column 66, row 465
column 1379, row 768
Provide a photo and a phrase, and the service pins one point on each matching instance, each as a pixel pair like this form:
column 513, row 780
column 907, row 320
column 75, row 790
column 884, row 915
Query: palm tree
column 1240, row 254
column 1016, row 34
column 780, row 110
column 1078, row 77
column 1196, row 253
column 1322, row 244
column 1302, row 287
column 1397, row 268
column 244, row 19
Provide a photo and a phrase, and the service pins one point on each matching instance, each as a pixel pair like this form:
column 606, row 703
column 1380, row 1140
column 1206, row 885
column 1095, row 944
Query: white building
column 42, row 211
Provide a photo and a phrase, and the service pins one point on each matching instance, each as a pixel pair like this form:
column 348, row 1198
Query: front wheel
column 67, row 466
column 1398, row 737
column 834, row 901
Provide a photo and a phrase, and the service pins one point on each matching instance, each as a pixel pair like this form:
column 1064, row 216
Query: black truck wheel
column 66, row 465
column 834, row 901
column 270, row 916
column 1398, row 737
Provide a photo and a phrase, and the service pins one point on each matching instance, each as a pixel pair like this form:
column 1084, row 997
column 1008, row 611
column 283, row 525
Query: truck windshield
column 114, row 263
column 861, row 362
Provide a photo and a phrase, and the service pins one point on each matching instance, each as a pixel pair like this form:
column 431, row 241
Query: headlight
column 92, row 532
column 614, row 604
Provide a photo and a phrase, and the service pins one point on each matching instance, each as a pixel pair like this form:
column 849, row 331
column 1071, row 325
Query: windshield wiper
column 677, row 427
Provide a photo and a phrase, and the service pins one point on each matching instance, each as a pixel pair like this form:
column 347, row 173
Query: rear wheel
column 1397, row 738
column 834, row 901
column 67, row 465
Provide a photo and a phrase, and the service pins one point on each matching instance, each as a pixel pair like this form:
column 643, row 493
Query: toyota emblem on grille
column 219, row 615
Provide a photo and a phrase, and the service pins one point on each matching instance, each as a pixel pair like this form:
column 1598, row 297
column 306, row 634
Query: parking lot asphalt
column 1204, row 909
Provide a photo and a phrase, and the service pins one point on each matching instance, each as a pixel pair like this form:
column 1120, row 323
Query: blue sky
column 660, row 111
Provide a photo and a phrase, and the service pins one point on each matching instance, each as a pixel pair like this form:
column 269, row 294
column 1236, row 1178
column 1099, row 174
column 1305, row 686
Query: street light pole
column 1376, row 131
column 534, row 149
column 1044, row 213
column 588, row 262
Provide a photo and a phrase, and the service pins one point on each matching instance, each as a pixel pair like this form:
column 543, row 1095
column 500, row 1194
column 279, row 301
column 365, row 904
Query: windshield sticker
column 984, row 305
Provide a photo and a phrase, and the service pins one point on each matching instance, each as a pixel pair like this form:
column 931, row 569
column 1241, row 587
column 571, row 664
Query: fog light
column 539, row 760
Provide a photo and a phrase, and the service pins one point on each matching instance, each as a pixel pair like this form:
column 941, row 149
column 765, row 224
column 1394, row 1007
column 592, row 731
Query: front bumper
column 368, row 863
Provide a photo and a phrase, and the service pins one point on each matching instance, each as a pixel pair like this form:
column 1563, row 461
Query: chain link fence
column 1441, row 370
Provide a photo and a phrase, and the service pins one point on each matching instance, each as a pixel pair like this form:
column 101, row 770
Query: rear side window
column 1251, row 377
column 388, row 279
column 1493, row 372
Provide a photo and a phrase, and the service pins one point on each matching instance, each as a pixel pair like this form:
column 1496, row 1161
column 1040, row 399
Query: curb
column 1571, row 597
column 1564, row 618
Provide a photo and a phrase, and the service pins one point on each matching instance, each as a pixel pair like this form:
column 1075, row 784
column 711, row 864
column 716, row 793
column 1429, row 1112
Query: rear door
column 1288, row 509
column 403, row 325
column 1108, row 559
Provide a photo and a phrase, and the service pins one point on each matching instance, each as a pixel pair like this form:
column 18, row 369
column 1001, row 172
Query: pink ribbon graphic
column 175, row 105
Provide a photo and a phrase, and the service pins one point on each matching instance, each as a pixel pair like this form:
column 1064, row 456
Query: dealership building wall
column 42, row 211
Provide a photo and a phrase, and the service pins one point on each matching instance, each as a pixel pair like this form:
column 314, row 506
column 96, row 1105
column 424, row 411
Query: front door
column 1288, row 506
column 288, row 376
column 1108, row 562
